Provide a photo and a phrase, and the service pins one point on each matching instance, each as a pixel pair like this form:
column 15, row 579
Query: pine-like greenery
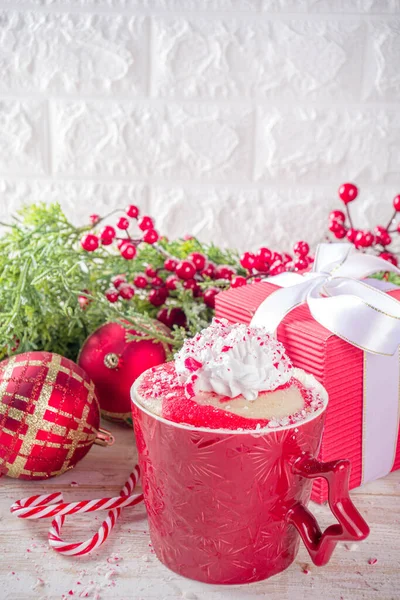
column 43, row 271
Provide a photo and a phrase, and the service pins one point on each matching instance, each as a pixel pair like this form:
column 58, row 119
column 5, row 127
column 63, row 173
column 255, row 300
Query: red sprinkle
column 192, row 364
column 226, row 348
column 372, row 561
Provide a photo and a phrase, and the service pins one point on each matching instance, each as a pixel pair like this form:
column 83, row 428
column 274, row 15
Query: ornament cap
column 104, row 438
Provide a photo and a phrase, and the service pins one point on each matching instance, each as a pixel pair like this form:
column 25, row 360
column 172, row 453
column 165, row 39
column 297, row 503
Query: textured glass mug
column 227, row 507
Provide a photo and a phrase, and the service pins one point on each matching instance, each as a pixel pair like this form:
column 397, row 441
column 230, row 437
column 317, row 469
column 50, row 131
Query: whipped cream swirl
column 232, row 360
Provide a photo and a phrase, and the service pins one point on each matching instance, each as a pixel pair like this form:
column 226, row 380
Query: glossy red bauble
column 340, row 232
column 348, row 192
column 49, row 415
column 209, row 271
column 113, row 364
column 157, row 281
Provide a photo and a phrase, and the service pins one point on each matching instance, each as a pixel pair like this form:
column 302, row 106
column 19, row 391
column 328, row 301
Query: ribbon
column 362, row 314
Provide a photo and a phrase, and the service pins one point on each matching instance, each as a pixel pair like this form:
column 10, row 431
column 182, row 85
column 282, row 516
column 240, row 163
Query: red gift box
column 337, row 364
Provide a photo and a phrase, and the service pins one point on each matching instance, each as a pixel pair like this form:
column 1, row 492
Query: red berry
column 158, row 296
column 364, row 239
column 150, row 271
column 286, row 258
column 398, row 227
column 351, row 235
column 389, row 257
column 191, row 284
column 126, row 291
column 171, row 317
column 106, row 241
column 337, row 215
column 209, row 297
column 128, row 251
column 94, row 219
column 396, row 203
column 310, row 259
column 261, row 265
column 171, row 282
column 209, row 271
column 185, row 269
column 198, row 259
column 170, row 264
column 276, row 256
column 224, row 272
column 277, row 268
column 340, row 232
column 107, row 232
column 150, row 236
column 146, row 223
column 238, row 281
column 301, row 248
column 112, row 295
column 140, row 281
column 256, row 280
column 265, row 255
column 132, row 211
column 300, row 264
column 334, row 226
column 118, row 280
column 90, row 242
column 348, row 192
column 157, row 281
column 122, row 223
column 248, row 260
column 382, row 236
column 83, row 300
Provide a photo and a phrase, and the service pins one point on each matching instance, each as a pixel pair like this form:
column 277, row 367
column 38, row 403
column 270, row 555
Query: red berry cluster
column 266, row 262
column 341, row 225
column 126, row 244
column 159, row 284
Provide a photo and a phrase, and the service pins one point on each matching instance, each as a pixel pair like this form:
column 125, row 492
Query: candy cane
column 52, row 505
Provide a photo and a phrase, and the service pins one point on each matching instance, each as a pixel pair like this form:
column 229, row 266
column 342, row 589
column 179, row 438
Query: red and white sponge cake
column 230, row 377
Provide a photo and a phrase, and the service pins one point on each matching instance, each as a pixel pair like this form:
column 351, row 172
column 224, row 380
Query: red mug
column 229, row 507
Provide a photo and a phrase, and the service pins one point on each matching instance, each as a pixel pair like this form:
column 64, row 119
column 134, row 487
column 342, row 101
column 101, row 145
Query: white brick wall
column 235, row 120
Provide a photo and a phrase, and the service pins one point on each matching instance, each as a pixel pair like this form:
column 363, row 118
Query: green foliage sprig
column 44, row 271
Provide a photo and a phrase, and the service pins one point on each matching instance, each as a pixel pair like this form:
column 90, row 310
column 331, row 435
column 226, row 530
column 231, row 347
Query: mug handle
column 351, row 526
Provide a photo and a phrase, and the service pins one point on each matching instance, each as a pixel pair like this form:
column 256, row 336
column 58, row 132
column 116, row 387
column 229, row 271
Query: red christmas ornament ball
column 49, row 415
column 113, row 363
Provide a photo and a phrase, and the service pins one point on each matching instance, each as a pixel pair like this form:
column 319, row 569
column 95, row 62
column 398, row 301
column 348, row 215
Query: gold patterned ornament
column 49, row 415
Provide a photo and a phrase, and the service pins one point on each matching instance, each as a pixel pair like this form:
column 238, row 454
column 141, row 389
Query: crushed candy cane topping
column 232, row 360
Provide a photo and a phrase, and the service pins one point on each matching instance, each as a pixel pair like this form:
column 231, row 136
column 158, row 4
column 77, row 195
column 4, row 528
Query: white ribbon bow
column 351, row 309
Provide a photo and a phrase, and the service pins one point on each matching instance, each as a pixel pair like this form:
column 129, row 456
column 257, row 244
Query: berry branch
column 378, row 239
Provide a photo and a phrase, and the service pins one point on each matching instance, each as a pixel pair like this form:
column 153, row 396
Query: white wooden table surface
column 126, row 567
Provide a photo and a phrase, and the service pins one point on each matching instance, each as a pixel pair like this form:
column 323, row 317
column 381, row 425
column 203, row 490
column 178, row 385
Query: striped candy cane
column 52, row 506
